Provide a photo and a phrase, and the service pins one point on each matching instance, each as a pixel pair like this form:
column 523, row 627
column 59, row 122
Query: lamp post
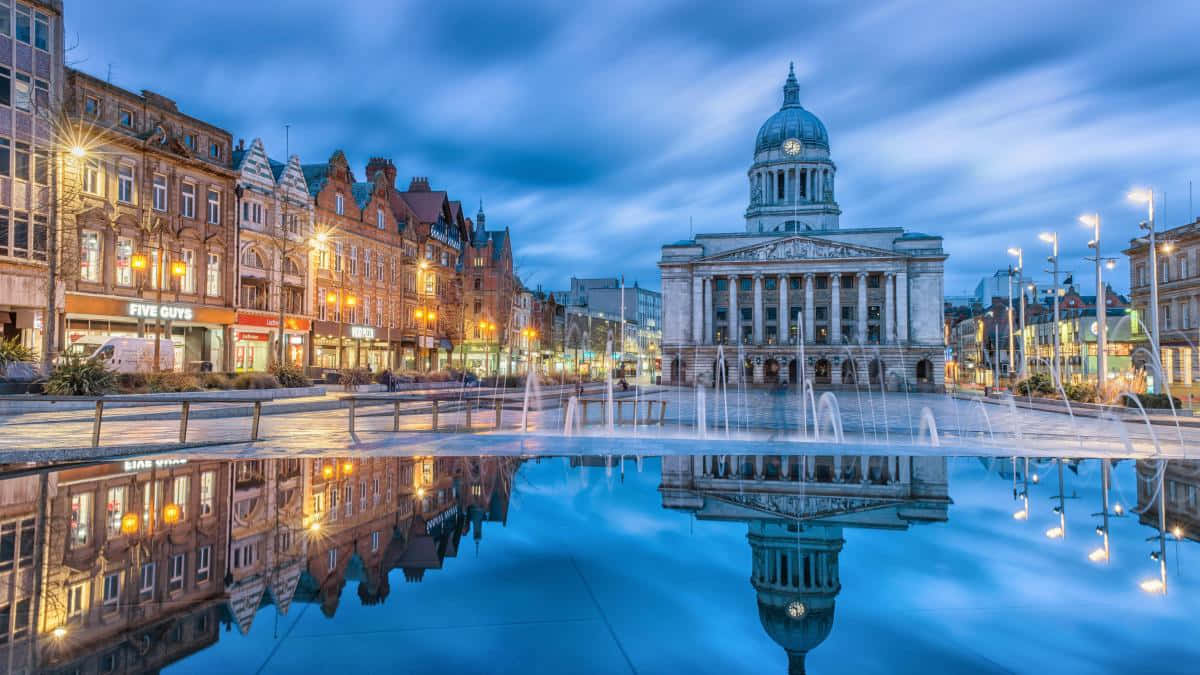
column 1147, row 196
column 1093, row 221
column 484, row 328
column 1020, row 254
column 1052, row 239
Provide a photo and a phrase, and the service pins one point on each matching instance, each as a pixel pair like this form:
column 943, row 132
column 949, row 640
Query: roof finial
column 791, row 88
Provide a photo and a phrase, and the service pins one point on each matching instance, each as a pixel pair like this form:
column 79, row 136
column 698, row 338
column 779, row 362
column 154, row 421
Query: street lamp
column 1147, row 196
column 1052, row 239
column 1020, row 255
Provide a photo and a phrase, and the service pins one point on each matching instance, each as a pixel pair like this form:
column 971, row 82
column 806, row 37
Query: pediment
column 799, row 248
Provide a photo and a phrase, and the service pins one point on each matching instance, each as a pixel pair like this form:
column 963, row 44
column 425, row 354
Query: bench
column 184, row 400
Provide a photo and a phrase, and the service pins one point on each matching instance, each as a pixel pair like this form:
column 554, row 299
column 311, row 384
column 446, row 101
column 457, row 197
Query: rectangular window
column 6, row 30
column 81, row 518
column 188, row 283
column 91, row 177
column 160, row 192
column 41, row 31
column 22, row 92
column 148, row 573
column 873, row 313
column 353, row 260
column 822, row 283
column 847, row 281
column 21, row 619
column 5, row 161
column 848, row 312
column 379, row 218
column 180, row 492
column 178, row 566
column 214, row 207
column 41, row 93
column 21, row 166
column 8, row 548
column 208, row 486
column 125, row 117
column 114, row 509
column 89, row 256
column 76, row 600
column 41, row 168
column 25, row 550
column 340, row 205
column 374, row 541
column 5, row 85
column 91, row 106
column 189, row 140
column 769, row 283
column 203, row 563
column 125, row 183
column 332, row 559
column 873, row 281
column 187, row 204
column 213, row 273
column 23, row 24
column 112, row 588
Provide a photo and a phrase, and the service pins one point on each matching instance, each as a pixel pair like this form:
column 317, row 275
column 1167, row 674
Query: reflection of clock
column 792, row 146
column 796, row 609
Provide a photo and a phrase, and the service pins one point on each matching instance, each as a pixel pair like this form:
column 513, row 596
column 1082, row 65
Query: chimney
column 377, row 164
column 419, row 184
column 241, row 144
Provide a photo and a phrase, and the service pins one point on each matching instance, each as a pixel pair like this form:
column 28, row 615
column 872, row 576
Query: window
column 125, row 118
column 178, row 566
column 213, row 273
column 148, row 573
column 6, row 30
column 8, row 549
column 112, row 588
column 873, row 281
column 374, row 541
column 340, row 205
column 189, row 139
column 41, row 31
column 179, row 493
column 22, row 25
column 41, row 167
column 353, row 260
column 214, row 207
column 332, row 559
column 26, row 548
column 91, row 177
column 160, row 192
column 91, row 106
column 21, row 619
column 214, row 150
column 379, row 218
column 187, row 193
column 115, row 509
column 125, row 183
column 769, row 283
column 203, row 563
column 822, row 283
column 76, row 599
column 22, row 91
column 188, row 283
column 337, row 257
column 208, row 484
column 847, row 281
column 81, row 518
column 21, row 166
column 89, row 256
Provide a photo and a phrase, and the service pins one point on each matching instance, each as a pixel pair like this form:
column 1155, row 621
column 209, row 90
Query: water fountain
column 572, row 421
column 533, row 390
column 608, row 407
column 928, row 423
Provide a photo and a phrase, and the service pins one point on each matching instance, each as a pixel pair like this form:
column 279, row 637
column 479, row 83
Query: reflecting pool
column 674, row 564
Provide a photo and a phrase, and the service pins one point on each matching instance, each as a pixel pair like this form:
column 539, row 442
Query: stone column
column 902, row 306
column 758, row 309
column 835, row 309
column 709, row 301
column 889, row 309
column 860, row 280
column 783, row 321
column 735, row 319
column 697, row 309
column 809, row 320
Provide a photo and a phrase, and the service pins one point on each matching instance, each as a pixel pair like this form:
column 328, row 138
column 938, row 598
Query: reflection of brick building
column 1181, row 484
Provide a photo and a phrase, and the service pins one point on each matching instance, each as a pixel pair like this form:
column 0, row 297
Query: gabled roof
column 426, row 206
column 277, row 168
column 316, row 175
column 362, row 193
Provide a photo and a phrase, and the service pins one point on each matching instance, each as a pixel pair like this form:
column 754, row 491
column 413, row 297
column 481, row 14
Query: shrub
column 1150, row 401
column 171, row 382
column 289, row 375
column 80, row 377
column 132, row 383
column 1082, row 392
column 255, row 381
column 353, row 377
column 12, row 351
column 215, row 381
column 1038, row 384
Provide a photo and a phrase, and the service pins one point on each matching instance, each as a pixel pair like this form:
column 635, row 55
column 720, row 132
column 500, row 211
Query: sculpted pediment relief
column 799, row 248
column 804, row 508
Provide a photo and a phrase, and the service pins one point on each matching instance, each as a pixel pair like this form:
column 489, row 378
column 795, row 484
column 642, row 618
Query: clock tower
column 791, row 180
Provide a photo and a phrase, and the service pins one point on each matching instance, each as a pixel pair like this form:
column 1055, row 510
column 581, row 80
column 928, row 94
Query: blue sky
column 596, row 130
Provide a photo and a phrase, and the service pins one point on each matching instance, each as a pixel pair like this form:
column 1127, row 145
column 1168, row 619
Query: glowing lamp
column 1046, row 237
column 1099, row 555
column 79, row 151
column 1088, row 219
column 1119, row 509
column 1153, row 586
column 1054, row 533
column 348, row 467
column 178, row 268
column 129, row 523
column 59, row 633
column 327, row 471
column 1021, row 515
column 419, row 314
column 1139, row 196
column 420, row 492
column 351, row 300
column 1177, row 531
column 316, row 526
column 171, row 513
column 138, row 262
column 431, row 316
column 331, row 298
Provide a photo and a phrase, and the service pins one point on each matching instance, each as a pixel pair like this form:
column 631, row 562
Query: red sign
column 253, row 337
column 272, row 321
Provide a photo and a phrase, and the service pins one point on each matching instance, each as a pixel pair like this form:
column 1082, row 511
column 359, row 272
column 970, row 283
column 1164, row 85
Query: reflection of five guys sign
column 143, row 310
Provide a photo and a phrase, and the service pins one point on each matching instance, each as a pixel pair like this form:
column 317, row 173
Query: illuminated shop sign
column 143, row 464
column 362, row 332
column 145, row 310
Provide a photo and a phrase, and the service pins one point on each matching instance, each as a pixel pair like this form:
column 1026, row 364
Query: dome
column 792, row 121
column 797, row 635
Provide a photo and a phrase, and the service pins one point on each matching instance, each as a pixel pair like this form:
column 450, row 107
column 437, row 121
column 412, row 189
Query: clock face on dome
column 792, row 146
column 796, row 609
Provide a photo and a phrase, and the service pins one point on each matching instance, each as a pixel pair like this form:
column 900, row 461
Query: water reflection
column 130, row 566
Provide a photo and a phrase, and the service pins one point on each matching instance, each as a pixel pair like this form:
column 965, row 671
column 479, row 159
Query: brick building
column 490, row 290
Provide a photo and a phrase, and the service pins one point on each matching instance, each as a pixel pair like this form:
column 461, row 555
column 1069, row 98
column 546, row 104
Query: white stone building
column 865, row 302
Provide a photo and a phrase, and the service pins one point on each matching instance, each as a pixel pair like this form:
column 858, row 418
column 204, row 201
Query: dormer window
column 190, row 141
column 214, row 150
column 125, row 118
column 340, row 205
column 379, row 218
column 91, row 106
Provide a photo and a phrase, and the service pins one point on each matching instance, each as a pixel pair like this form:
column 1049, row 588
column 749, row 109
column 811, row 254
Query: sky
column 598, row 131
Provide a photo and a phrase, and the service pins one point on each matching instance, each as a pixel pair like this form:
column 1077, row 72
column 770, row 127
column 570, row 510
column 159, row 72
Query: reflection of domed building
column 792, row 272
column 795, row 512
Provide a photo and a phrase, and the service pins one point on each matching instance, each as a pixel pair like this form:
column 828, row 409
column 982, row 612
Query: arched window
column 251, row 258
column 292, row 267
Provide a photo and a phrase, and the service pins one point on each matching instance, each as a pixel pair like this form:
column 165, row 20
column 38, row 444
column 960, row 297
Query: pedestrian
column 388, row 382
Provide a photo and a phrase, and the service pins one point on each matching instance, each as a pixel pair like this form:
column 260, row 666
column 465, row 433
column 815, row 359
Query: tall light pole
column 1147, row 196
column 1020, row 254
column 1052, row 239
column 1093, row 220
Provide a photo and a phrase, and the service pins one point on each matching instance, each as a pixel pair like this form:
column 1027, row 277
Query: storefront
column 199, row 333
column 255, row 340
column 337, row 346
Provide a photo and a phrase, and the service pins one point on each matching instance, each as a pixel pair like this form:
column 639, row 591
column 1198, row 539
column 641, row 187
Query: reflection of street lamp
column 171, row 514
column 129, row 523
column 1052, row 239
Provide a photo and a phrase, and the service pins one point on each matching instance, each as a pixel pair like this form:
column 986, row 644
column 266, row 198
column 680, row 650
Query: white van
column 125, row 354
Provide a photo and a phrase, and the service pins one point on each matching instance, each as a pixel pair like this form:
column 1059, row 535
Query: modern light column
column 835, row 308
column 697, row 309
column 709, row 301
column 758, row 309
column 735, row 319
column 809, row 320
column 860, row 281
column 889, row 308
column 902, row 307
column 783, row 319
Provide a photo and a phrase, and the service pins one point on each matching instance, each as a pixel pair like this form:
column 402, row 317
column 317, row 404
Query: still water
column 679, row 564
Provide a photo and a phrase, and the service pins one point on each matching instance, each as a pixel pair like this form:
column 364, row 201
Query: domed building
column 793, row 274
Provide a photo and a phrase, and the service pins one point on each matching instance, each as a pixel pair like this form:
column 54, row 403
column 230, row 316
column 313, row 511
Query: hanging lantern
column 327, row 471
column 129, row 523
column 138, row 262
column 171, row 513
column 348, row 468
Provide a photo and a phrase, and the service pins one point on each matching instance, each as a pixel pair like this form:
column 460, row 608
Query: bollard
column 351, row 418
column 254, row 424
column 620, row 413
column 396, row 416
column 96, row 424
column 468, row 413
column 583, row 417
column 499, row 410
column 435, row 413
column 183, row 420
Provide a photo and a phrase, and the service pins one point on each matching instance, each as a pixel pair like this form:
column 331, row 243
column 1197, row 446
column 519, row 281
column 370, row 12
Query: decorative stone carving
column 804, row 507
column 800, row 248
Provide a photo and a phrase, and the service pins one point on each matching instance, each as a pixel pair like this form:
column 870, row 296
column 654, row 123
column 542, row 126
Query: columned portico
column 709, row 329
column 698, row 309
column 784, row 319
column 758, row 309
column 735, row 319
column 889, row 308
column 902, row 307
column 835, row 311
column 860, row 282
column 810, row 324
